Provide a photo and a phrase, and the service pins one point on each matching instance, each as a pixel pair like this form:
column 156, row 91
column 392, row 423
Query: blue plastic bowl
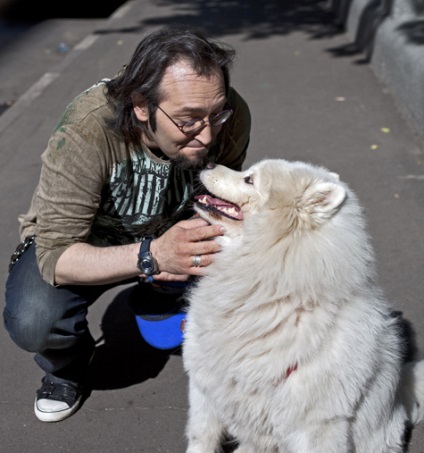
column 162, row 332
column 160, row 314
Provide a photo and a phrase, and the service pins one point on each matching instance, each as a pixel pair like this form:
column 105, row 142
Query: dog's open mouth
column 219, row 206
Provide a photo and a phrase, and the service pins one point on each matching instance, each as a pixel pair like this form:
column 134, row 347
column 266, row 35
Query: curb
column 391, row 36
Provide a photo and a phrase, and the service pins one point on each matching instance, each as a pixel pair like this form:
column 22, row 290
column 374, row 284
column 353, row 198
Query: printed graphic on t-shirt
column 140, row 191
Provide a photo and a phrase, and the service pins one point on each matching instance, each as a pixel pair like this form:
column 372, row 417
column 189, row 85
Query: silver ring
column 197, row 260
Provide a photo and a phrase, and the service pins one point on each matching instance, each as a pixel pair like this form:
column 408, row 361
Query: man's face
column 185, row 96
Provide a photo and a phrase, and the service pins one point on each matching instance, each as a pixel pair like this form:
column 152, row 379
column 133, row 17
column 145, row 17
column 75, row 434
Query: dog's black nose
column 210, row 166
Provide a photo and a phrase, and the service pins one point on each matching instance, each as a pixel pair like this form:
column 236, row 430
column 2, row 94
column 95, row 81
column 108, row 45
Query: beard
column 184, row 163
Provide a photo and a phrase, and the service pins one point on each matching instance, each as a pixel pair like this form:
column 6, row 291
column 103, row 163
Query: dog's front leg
column 204, row 430
column 329, row 436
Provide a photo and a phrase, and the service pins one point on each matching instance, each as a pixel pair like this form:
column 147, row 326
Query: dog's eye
column 248, row 179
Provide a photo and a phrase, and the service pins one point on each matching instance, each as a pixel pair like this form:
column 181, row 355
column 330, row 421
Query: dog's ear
column 323, row 199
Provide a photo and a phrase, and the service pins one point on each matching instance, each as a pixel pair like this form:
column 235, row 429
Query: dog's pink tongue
column 226, row 207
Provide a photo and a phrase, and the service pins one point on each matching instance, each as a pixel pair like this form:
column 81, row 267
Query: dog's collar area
column 288, row 372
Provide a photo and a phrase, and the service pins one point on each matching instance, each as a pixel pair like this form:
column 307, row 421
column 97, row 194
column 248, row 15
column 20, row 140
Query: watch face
column 147, row 265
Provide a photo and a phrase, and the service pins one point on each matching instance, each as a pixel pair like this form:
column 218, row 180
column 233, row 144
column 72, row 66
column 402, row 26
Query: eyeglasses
column 195, row 125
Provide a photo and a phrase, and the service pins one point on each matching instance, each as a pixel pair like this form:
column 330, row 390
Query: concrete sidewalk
column 389, row 34
column 309, row 101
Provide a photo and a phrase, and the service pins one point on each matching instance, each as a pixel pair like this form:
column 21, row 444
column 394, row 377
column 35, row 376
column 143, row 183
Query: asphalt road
column 307, row 102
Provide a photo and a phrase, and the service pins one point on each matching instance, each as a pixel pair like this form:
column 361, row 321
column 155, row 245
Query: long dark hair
column 140, row 79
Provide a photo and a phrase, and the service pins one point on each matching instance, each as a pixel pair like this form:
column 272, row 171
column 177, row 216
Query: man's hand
column 175, row 249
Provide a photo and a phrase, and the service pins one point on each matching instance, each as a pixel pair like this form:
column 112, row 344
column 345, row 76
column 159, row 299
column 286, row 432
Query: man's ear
column 141, row 111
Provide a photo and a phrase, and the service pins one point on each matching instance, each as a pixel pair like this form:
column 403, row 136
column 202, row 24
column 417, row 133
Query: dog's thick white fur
column 290, row 346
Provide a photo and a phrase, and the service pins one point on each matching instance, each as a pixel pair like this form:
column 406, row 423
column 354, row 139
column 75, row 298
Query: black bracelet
column 20, row 250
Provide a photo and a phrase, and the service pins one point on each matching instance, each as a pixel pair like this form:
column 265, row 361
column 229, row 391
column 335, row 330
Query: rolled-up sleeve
column 73, row 172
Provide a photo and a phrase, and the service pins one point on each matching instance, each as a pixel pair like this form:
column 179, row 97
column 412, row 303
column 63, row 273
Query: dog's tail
column 412, row 390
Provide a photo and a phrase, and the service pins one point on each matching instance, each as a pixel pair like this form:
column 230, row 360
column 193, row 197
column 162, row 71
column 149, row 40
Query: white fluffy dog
column 290, row 346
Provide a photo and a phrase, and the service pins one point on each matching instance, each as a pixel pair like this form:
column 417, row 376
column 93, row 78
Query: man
column 112, row 203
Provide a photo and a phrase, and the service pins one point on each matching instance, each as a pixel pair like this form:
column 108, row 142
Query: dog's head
column 282, row 196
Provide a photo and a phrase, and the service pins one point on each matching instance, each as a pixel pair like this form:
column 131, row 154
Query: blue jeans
column 50, row 321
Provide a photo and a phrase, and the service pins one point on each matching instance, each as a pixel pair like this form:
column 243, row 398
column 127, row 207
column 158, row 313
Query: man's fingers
column 174, row 250
column 167, row 277
column 201, row 260
column 206, row 232
column 193, row 223
column 203, row 248
column 200, row 229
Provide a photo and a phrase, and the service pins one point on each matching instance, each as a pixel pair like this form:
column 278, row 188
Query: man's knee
column 28, row 316
column 28, row 333
column 30, row 310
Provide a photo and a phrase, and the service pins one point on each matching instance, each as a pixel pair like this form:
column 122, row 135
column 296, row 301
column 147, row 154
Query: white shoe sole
column 56, row 416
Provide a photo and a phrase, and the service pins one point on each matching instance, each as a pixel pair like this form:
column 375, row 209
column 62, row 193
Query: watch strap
column 145, row 245
column 146, row 262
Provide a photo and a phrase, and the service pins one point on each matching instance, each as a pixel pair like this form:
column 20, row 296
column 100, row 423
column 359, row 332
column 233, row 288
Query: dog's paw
column 199, row 448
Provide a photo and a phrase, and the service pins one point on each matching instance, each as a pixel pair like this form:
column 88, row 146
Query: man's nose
column 207, row 134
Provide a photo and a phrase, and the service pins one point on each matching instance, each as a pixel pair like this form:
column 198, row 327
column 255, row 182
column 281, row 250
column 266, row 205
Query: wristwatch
column 146, row 263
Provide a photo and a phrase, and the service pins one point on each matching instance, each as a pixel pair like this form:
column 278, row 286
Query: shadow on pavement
column 122, row 357
column 30, row 11
column 255, row 20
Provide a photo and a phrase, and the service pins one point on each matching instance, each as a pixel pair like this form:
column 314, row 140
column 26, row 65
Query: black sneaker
column 56, row 401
